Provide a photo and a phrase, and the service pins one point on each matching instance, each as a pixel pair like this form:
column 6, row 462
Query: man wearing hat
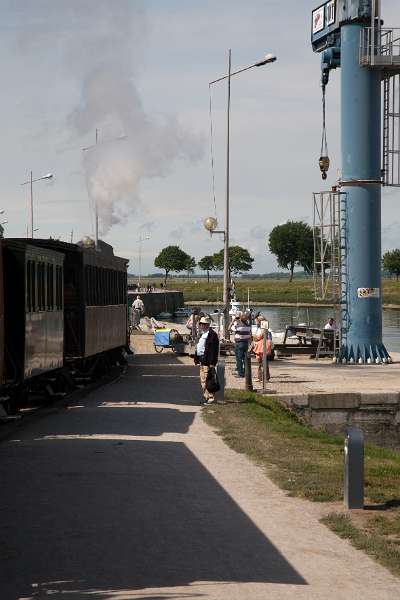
column 206, row 355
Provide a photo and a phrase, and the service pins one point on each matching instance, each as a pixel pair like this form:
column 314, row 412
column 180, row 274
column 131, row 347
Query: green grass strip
column 385, row 550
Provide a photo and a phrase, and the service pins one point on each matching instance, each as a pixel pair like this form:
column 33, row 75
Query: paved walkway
column 129, row 495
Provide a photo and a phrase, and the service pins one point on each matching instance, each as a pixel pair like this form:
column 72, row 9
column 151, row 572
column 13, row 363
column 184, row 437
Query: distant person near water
column 258, row 346
column 137, row 311
column 242, row 339
column 330, row 325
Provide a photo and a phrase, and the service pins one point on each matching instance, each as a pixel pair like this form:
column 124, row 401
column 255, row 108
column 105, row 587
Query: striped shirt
column 242, row 332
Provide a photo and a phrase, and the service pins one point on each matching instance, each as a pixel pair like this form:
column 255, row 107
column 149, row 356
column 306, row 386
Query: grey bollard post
column 221, row 379
column 354, row 469
column 248, row 378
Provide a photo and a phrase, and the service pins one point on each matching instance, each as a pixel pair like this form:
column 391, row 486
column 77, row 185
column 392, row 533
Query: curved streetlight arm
column 49, row 176
column 260, row 63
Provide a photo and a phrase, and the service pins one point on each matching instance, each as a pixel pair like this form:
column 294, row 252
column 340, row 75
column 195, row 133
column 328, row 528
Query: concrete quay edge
column 339, row 400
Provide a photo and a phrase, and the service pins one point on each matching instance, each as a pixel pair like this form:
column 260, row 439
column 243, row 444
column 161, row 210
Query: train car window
column 50, row 286
column 40, row 286
column 43, row 284
column 28, row 286
column 97, row 286
column 124, row 288
column 59, row 287
column 90, row 285
column 118, row 287
column 87, row 285
column 101, row 287
column 33, row 284
column 106, row 287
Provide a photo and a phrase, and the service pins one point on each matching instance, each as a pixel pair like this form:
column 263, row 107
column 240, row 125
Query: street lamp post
column 140, row 241
column 31, row 181
column 210, row 223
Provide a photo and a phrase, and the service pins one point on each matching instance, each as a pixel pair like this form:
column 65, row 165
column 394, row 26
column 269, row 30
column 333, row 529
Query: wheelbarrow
column 169, row 338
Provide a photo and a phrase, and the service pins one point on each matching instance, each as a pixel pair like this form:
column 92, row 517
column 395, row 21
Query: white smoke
column 110, row 101
column 102, row 43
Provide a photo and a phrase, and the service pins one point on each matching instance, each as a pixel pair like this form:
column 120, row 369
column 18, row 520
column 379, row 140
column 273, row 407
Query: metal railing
column 380, row 47
column 391, row 131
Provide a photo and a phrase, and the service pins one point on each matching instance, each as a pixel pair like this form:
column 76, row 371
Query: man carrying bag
column 207, row 351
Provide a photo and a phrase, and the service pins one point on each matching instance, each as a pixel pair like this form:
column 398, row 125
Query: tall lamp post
column 140, row 242
column 211, row 223
column 31, row 181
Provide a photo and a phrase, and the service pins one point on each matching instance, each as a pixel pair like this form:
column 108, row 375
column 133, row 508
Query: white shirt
column 201, row 345
column 138, row 303
column 330, row 327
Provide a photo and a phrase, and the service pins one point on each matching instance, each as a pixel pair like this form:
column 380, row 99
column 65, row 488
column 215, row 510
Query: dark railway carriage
column 105, row 306
column 95, row 299
column 32, row 291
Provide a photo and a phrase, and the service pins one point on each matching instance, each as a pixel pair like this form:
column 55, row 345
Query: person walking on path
column 207, row 351
column 242, row 339
column 137, row 311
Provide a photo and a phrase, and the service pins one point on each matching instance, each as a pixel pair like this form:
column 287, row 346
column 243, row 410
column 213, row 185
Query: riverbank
column 288, row 304
column 269, row 292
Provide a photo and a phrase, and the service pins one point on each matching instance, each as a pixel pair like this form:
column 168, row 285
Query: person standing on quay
column 137, row 311
column 242, row 339
column 207, row 351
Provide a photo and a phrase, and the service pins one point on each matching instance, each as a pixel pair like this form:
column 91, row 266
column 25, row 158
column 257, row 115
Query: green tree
column 293, row 244
column 190, row 265
column 207, row 264
column 391, row 262
column 239, row 260
column 171, row 258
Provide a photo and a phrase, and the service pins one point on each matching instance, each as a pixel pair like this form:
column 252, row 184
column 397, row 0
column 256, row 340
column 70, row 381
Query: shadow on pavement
column 161, row 378
column 97, row 517
column 114, row 419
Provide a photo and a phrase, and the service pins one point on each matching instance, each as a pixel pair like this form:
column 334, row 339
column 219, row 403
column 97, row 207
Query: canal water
column 280, row 316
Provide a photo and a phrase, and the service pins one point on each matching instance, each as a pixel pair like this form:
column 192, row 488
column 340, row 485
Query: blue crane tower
column 349, row 35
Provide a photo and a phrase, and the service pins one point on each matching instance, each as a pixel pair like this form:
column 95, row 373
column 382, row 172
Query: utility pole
column 226, row 238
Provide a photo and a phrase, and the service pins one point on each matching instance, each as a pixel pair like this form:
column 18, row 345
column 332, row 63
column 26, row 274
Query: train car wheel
column 158, row 349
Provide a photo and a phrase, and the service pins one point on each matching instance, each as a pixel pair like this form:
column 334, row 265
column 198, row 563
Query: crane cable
column 324, row 144
column 324, row 157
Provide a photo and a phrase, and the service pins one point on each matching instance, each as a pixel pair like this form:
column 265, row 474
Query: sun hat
column 205, row 321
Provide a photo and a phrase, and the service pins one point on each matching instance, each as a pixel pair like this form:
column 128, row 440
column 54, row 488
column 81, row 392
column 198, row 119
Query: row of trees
column 391, row 262
column 292, row 243
column 173, row 259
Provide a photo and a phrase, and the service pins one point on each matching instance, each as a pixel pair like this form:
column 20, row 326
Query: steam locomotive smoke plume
column 110, row 101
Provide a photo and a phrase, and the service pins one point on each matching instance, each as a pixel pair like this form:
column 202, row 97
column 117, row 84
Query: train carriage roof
column 102, row 257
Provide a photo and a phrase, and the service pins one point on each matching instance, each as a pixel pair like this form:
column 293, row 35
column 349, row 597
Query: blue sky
column 141, row 69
